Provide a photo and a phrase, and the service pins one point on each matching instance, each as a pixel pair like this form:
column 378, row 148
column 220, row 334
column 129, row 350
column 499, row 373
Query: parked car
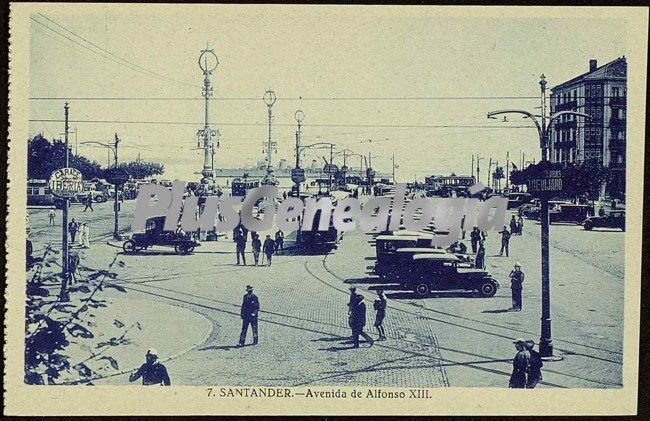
column 97, row 195
column 440, row 272
column 389, row 264
column 613, row 219
column 154, row 235
column 515, row 200
column 570, row 212
column 533, row 209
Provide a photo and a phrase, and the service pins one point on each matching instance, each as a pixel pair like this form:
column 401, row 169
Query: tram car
column 317, row 241
column 240, row 186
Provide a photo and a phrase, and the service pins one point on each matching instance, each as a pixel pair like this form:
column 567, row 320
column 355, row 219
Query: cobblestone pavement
column 448, row 339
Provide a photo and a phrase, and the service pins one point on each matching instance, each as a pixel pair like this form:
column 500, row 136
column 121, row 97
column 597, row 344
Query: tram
column 240, row 186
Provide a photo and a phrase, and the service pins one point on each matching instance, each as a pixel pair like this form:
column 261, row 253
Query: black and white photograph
column 364, row 206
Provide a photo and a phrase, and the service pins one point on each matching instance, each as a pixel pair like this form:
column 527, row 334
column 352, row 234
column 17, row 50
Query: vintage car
column 154, row 235
column 570, row 212
column 429, row 272
column 390, row 262
column 516, row 200
column 613, row 219
column 532, row 210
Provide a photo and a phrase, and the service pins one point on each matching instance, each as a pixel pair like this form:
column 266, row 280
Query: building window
column 599, row 91
column 615, row 92
column 599, row 112
column 587, row 91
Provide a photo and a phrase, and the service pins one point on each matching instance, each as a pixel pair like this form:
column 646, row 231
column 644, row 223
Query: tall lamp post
column 299, row 116
column 269, row 99
column 208, row 61
column 546, row 341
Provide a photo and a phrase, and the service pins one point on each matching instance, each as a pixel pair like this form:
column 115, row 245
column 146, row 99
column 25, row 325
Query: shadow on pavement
column 332, row 339
column 222, row 347
column 440, row 294
column 500, row 310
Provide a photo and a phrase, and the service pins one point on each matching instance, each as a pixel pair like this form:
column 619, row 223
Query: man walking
column 250, row 307
column 479, row 262
column 89, row 202
column 152, row 372
column 257, row 247
column 72, row 229
column 73, row 264
column 516, row 285
column 380, row 306
column 279, row 241
column 268, row 248
column 519, row 365
column 52, row 216
column 505, row 240
column 359, row 322
column 513, row 225
column 534, row 367
column 520, row 225
column 85, row 228
column 351, row 302
column 475, row 237
column 240, row 240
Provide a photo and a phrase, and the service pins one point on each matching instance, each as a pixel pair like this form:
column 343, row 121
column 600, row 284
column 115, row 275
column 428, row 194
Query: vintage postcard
column 363, row 210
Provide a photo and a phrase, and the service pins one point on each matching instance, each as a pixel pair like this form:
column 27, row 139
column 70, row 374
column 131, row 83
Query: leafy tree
column 44, row 157
column 141, row 169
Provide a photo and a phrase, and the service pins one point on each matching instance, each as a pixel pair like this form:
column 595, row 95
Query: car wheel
column 422, row 289
column 129, row 246
column 487, row 289
column 589, row 225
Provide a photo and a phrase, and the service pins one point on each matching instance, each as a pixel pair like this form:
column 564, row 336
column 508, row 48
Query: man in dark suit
column 359, row 322
column 250, row 307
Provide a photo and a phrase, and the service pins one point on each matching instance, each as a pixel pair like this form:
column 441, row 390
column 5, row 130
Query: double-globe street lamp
column 546, row 341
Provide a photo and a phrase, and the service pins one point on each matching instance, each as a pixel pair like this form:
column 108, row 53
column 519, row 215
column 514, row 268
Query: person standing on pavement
column 520, row 225
column 475, row 237
column 479, row 262
column 240, row 241
column 257, row 247
column 359, row 322
column 268, row 248
column 516, row 285
column 89, row 203
column 462, row 227
column 86, row 235
column 72, row 229
column 513, row 225
column 250, row 308
column 73, row 264
column 519, row 365
column 351, row 302
column 380, row 306
column 279, row 241
column 152, row 372
column 534, row 367
column 505, row 240
column 52, row 216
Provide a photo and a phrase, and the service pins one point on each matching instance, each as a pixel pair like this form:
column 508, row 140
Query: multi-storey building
column 601, row 92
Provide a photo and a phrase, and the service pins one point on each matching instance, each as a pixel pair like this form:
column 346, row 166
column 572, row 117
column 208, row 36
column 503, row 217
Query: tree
column 44, row 157
column 140, row 169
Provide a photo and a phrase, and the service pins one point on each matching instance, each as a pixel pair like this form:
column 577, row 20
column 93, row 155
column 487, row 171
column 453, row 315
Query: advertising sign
column 66, row 182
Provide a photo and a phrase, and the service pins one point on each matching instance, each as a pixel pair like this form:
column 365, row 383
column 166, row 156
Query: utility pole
column 76, row 141
column 478, row 168
column 489, row 175
column 507, row 168
column 299, row 116
column 472, row 165
column 206, row 134
column 116, row 230
column 393, row 168
column 63, row 296
column 269, row 99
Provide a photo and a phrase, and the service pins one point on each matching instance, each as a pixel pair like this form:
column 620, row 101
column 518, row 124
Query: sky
column 390, row 55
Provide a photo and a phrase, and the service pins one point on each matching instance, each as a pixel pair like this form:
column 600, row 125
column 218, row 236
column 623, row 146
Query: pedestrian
column 462, row 227
column 89, row 203
column 80, row 234
column 505, row 240
column 513, row 225
column 519, row 365
column 73, row 264
column 86, row 235
column 351, row 302
column 52, row 216
column 516, row 285
column 479, row 262
column 380, row 306
column 475, row 237
column 257, row 247
column 268, row 247
column 284, row 195
column 520, row 225
column 534, row 366
column 240, row 240
column 279, row 241
column 250, row 307
column 152, row 371
column 483, row 235
column 359, row 322
column 72, row 229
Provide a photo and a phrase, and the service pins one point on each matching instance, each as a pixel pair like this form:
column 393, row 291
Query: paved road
column 450, row 339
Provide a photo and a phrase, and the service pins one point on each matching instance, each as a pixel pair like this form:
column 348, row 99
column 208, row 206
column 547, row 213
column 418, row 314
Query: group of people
column 269, row 247
column 357, row 316
column 526, row 366
column 79, row 231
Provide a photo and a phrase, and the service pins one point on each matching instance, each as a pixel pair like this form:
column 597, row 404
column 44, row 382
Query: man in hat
column 359, row 322
column 250, row 306
column 351, row 302
column 519, row 365
column 269, row 248
column 505, row 240
column 516, row 285
column 534, row 367
column 152, row 372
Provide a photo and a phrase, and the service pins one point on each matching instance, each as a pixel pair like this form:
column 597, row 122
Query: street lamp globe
column 269, row 97
column 299, row 116
column 208, row 60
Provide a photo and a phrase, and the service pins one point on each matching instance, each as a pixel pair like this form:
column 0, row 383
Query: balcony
column 569, row 105
column 566, row 125
column 620, row 101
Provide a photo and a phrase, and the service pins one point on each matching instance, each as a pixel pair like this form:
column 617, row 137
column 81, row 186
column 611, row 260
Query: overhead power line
column 422, row 98
column 114, row 58
column 433, row 126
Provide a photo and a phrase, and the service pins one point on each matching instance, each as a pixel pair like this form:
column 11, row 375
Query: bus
column 446, row 186
column 240, row 186
column 39, row 194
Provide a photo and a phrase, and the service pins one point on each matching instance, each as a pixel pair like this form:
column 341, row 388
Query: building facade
column 601, row 92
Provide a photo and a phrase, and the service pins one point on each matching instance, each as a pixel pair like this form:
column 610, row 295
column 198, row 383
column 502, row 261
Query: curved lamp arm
column 491, row 114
